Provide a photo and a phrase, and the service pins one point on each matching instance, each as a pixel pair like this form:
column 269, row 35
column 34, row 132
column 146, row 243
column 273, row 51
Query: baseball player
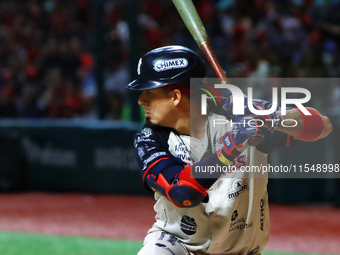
column 225, row 213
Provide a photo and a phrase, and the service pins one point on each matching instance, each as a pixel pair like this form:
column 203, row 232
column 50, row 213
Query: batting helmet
column 167, row 65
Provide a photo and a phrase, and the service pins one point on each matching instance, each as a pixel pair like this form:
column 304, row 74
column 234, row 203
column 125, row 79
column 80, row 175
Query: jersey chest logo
column 188, row 225
column 237, row 187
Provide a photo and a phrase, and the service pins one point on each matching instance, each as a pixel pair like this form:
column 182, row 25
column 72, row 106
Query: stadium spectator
column 260, row 38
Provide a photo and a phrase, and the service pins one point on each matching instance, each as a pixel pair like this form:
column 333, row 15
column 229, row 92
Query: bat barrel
column 191, row 19
column 208, row 52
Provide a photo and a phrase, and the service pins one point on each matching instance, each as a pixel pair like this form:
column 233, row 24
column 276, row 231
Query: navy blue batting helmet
column 167, row 65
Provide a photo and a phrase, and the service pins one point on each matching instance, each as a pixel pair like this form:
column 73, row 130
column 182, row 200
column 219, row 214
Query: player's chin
column 152, row 123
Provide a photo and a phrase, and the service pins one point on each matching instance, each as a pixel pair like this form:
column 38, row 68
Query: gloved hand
column 241, row 136
column 269, row 121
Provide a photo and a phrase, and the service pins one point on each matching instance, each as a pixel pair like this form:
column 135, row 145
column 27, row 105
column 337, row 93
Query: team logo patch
column 139, row 65
column 238, row 223
column 238, row 186
column 167, row 64
column 227, row 140
column 234, row 215
column 151, row 158
column 188, row 225
column 146, row 132
column 141, row 152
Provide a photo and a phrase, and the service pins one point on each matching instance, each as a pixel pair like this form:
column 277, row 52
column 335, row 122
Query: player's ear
column 176, row 96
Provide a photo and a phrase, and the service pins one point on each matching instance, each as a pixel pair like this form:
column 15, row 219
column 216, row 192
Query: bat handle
column 207, row 50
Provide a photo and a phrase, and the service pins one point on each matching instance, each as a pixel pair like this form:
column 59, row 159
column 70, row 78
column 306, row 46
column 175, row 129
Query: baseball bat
column 193, row 22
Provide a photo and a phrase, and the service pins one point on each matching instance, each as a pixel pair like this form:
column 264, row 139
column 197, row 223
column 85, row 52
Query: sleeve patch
column 151, row 158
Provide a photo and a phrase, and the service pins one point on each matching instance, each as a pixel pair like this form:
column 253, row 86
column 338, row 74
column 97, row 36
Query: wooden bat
column 189, row 15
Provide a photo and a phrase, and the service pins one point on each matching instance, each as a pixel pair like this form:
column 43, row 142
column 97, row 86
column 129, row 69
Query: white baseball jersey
column 235, row 220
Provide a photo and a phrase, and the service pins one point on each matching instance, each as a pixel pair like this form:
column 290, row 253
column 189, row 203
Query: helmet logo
column 138, row 66
column 163, row 65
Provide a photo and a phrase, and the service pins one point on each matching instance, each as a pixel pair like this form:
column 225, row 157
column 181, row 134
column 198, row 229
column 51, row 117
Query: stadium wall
column 98, row 157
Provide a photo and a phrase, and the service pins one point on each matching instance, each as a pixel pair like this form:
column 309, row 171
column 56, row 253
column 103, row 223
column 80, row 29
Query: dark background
column 67, row 123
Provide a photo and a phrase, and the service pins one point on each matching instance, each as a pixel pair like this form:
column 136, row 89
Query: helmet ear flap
column 167, row 65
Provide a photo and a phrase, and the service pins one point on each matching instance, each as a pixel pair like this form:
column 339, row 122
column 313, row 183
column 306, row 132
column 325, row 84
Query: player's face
column 158, row 106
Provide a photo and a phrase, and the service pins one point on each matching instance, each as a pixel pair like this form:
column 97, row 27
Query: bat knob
column 255, row 140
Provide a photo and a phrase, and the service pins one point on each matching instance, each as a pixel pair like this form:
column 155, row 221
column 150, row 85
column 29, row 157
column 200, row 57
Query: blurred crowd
column 48, row 49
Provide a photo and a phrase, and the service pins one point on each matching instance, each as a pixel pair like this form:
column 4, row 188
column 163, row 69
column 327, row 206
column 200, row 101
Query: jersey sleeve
column 153, row 155
column 166, row 174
